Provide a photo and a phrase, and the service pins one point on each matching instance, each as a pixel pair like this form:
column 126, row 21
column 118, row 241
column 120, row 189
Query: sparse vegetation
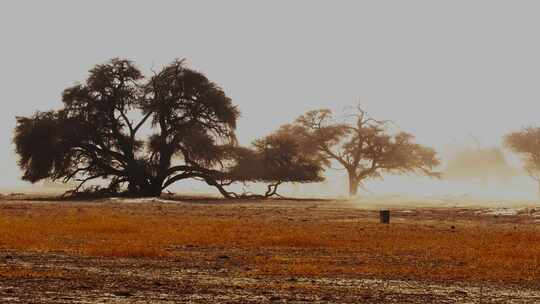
column 97, row 136
column 285, row 241
column 219, row 159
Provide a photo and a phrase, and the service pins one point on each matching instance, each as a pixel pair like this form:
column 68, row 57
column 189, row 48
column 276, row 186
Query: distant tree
column 526, row 143
column 188, row 123
column 361, row 145
column 276, row 159
column 479, row 164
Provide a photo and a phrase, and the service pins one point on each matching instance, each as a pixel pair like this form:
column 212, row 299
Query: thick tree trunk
column 149, row 191
column 152, row 191
column 353, row 186
column 143, row 188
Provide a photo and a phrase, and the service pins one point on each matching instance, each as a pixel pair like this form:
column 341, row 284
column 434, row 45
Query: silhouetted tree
column 361, row 145
column 276, row 159
column 142, row 134
column 526, row 143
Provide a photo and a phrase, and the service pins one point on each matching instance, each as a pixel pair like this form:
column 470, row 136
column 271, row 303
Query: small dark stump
column 384, row 216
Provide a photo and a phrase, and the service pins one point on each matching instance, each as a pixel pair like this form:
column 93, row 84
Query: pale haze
column 440, row 70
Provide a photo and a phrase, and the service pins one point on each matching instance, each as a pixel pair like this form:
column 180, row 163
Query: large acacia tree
column 526, row 143
column 362, row 146
column 142, row 134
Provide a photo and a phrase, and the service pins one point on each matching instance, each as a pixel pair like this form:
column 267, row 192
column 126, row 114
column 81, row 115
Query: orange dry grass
column 277, row 245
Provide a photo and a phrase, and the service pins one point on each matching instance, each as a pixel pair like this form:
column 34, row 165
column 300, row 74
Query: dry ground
column 294, row 251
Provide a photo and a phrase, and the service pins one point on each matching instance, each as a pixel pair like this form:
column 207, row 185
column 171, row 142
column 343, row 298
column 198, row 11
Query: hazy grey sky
column 439, row 69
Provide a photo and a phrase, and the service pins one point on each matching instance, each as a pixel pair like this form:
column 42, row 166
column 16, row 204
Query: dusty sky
column 440, row 70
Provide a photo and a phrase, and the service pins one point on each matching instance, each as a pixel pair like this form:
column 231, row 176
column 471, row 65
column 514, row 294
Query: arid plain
column 203, row 250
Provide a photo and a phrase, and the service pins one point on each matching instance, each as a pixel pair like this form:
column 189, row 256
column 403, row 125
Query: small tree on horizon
column 361, row 145
column 526, row 143
column 276, row 159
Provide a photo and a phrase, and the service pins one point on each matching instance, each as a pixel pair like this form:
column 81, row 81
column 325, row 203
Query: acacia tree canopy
column 361, row 145
column 97, row 133
column 526, row 143
column 278, row 158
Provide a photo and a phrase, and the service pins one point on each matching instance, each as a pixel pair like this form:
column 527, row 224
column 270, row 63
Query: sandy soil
column 217, row 275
